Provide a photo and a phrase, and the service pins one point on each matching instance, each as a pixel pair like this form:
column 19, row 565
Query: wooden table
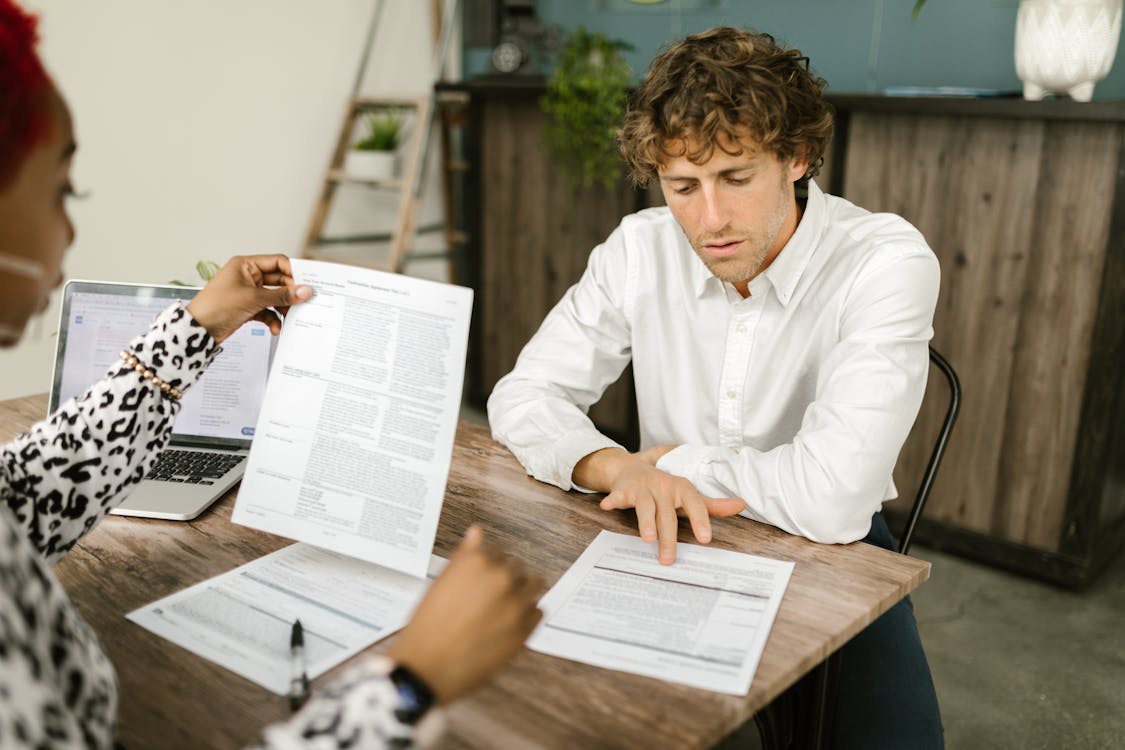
column 171, row 698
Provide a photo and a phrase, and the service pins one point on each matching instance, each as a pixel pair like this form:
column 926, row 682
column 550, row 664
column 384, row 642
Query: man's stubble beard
column 740, row 267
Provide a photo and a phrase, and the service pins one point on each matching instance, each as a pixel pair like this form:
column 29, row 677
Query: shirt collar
column 790, row 263
column 701, row 276
column 786, row 269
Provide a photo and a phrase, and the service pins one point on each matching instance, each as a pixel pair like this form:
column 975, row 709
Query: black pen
column 299, row 676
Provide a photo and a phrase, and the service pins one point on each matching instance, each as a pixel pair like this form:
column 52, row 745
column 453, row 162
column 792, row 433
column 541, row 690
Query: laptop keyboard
column 193, row 467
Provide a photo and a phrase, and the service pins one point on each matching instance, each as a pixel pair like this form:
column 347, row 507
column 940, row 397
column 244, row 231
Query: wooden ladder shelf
column 420, row 116
column 316, row 244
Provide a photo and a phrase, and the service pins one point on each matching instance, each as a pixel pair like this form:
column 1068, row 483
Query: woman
column 60, row 478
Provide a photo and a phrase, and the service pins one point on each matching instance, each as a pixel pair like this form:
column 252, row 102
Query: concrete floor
column 1023, row 664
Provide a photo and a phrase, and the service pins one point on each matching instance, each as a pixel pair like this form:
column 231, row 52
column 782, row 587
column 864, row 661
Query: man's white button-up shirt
column 796, row 399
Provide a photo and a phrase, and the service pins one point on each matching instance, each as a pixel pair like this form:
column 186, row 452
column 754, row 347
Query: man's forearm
column 599, row 470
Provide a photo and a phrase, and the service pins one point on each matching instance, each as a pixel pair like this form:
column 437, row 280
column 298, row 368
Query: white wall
column 204, row 128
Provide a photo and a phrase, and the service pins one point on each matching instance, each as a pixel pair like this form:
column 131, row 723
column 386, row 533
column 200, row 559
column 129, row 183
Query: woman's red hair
column 23, row 87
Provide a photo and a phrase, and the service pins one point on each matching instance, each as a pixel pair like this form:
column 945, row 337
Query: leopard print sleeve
column 64, row 474
column 358, row 711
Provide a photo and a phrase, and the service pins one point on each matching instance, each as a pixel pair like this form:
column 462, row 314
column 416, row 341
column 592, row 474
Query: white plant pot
column 1065, row 46
column 370, row 165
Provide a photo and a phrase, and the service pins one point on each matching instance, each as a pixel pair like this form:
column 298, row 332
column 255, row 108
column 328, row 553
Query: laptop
column 211, row 435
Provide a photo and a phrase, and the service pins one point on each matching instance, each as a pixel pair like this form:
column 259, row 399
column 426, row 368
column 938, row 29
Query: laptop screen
column 99, row 319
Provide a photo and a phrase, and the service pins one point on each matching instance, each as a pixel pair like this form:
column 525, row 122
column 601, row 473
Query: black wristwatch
column 414, row 696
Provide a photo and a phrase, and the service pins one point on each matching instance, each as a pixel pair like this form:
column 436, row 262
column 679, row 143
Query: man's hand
column 245, row 289
column 471, row 622
column 633, row 481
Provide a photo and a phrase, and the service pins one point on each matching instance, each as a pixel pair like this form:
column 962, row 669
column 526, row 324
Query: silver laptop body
column 212, row 433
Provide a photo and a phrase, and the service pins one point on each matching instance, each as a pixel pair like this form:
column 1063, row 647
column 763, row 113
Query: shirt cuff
column 691, row 462
column 572, row 448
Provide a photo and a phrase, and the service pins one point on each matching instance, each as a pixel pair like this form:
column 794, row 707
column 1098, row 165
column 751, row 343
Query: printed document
column 702, row 621
column 353, row 444
column 242, row 619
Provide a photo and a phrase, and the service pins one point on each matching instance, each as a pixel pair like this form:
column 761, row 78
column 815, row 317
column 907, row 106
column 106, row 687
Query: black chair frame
column 938, row 452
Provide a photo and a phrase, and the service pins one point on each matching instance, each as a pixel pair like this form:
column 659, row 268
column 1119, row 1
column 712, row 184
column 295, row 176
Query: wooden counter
column 529, row 237
column 1022, row 202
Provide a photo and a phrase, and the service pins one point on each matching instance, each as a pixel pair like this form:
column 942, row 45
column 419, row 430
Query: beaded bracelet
column 131, row 360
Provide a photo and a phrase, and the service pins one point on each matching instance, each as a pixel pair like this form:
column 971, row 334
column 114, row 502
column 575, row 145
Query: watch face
column 507, row 57
column 414, row 696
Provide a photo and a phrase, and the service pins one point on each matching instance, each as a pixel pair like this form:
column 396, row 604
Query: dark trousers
column 885, row 696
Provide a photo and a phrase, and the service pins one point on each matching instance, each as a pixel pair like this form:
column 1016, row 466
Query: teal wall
column 953, row 42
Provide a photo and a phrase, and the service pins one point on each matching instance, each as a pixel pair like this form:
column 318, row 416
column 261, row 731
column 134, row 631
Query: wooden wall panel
column 916, row 167
column 1102, row 472
column 1016, row 211
column 1067, row 254
column 537, row 235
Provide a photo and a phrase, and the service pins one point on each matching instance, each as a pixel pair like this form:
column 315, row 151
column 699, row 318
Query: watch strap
column 415, row 697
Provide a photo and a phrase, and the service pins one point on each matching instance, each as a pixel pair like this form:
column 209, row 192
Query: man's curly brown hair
column 716, row 88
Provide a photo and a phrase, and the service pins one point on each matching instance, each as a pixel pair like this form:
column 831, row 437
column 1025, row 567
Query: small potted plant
column 373, row 157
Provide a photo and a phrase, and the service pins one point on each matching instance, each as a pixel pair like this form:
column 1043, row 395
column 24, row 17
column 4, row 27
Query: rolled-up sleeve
column 64, row 474
column 539, row 409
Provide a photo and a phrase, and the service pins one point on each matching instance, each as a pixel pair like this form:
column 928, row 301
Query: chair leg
column 819, row 709
column 773, row 729
column 802, row 717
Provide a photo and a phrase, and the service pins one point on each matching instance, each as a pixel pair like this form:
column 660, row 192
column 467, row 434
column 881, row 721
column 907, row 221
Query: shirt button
column 732, row 393
column 741, row 328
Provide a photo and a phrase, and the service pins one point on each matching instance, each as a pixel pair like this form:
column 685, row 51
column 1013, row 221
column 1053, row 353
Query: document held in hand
column 352, row 448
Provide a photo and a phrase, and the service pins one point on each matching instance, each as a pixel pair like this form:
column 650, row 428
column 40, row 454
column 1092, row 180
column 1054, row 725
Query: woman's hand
column 472, row 621
column 244, row 290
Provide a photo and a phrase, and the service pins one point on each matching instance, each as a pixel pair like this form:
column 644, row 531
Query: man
column 778, row 337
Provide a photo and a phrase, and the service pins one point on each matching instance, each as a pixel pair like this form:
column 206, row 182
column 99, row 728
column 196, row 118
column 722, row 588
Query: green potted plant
column 206, row 269
column 373, row 156
column 584, row 105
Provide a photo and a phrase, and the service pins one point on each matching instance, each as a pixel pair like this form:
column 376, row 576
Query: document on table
column 702, row 621
column 241, row 620
column 354, row 440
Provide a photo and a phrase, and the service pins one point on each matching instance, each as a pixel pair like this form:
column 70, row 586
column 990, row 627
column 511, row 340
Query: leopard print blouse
column 57, row 688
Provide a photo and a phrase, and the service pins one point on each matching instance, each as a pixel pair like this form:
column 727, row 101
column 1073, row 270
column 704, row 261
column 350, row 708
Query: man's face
column 35, row 230
column 737, row 211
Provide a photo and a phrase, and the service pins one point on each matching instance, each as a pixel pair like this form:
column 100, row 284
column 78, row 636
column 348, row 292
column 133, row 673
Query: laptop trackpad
column 172, row 501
